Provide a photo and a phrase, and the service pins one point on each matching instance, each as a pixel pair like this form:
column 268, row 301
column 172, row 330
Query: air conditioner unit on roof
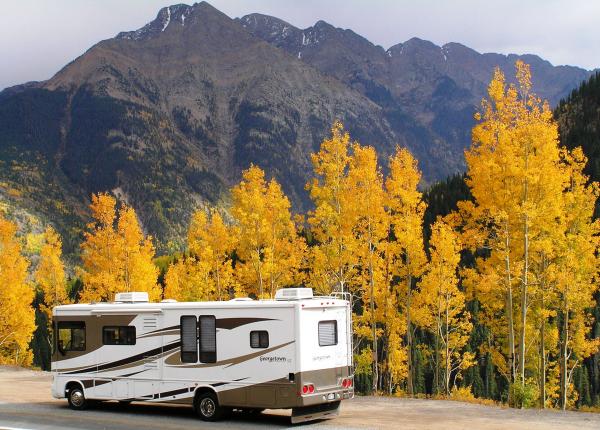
column 133, row 297
column 294, row 294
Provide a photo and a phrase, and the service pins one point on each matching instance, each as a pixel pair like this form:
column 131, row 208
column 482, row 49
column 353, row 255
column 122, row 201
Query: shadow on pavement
column 166, row 411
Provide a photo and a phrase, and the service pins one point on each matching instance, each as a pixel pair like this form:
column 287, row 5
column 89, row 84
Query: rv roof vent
column 133, row 297
column 168, row 301
column 294, row 294
column 241, row 299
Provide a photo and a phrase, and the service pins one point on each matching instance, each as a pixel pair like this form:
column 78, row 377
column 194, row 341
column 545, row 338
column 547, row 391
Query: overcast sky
column 38, row 37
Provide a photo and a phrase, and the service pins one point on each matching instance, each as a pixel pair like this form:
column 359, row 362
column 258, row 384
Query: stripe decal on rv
column 88, row 383
column 173, row 392
column 129, row 360
column 224, row 323
column 231, row 323
column 174, row 360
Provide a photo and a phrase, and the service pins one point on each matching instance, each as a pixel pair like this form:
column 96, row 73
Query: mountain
column 167, row 116
column 428, row 93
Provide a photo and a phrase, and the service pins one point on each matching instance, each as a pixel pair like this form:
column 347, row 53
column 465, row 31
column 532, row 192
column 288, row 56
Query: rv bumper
column 315, row 412
column 326, row 397
column 57, row 392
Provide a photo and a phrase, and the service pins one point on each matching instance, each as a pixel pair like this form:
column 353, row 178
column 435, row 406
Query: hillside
column 578, row 117
column 167, row 116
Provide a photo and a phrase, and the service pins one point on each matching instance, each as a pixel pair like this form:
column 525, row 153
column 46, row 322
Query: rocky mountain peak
column 178, row 14
column 266, row 27
column 416, row 44
column 258, row 20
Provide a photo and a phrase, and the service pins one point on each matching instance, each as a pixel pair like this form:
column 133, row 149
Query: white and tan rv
column 292, row 352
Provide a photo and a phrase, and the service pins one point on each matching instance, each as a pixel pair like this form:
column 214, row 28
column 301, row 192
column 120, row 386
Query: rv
column 294, row 352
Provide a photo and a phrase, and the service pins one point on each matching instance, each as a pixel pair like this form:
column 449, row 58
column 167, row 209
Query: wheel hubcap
column 207, row 407
column 77, row 398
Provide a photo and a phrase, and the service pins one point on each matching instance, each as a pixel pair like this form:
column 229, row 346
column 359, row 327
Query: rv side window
column 208, row 339
column 71, row 336
column 259, row 339
column 118, row 335
column 189, row 339
column 328, row 333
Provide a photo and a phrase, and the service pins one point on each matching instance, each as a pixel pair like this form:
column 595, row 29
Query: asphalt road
column 25, row 403
column 109, row 415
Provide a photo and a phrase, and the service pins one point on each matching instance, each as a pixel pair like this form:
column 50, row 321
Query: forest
column 481, row 287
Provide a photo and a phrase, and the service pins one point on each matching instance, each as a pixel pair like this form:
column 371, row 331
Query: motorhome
column 293, row 352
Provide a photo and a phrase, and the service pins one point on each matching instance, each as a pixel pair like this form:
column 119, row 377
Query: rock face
column 167, row 116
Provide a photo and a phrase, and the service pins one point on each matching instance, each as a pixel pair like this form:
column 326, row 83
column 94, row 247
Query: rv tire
column 207, row 406
column 76, row 398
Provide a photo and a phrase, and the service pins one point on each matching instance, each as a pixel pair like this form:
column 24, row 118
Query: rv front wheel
column 207, row 407
column 76, row 399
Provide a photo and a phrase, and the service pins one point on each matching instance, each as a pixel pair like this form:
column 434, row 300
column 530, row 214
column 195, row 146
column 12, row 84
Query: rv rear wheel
column 76, row 398
column 207, row 406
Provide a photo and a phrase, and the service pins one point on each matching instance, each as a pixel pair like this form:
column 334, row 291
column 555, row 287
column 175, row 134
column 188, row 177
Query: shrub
column 525, row 395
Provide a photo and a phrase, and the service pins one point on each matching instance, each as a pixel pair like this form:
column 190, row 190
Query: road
column 25, row 403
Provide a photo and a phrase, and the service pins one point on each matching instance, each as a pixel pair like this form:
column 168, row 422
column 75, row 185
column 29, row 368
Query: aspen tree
column 188, row 280
column 139, row 273
column 394, row 356
column 50, row 275
column 577, row 267
column 17, row 317
column 99, row 251
column 366, row 183
column 515, row 178
column 270, row 250
column 211, row 241
column 115, row 254
column 333, row 258
column 441, row 307
column 406, row 207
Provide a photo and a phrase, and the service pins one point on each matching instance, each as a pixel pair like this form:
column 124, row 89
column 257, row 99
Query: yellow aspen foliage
column 270, row 250
column 188, row 280
column 395, row 358
column 213, row 242
column 440, row 309
column 365, row 182
column 577, row 267
column 333, row 258
column 208, row 273
column 99, row 251
column 406, row 208
column 115, row 254
column 516, row 180
column 17, row 318
column 136, row 252
column 50, row 274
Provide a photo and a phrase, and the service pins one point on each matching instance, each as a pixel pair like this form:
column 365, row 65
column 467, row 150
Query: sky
column 39, row 37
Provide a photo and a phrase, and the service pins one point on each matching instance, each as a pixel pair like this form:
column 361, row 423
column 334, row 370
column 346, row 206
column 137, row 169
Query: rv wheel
column 207, row 407
column 76, row 399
